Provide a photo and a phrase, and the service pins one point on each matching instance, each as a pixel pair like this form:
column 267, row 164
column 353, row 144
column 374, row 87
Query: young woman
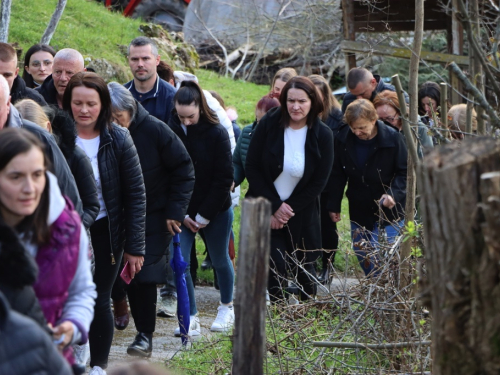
column 209, row 210
column 429, row 95
column 32, row 204
column 280, row 79
column 38, row 62
column 370, row 157
column 119, row 229
column 288, row 162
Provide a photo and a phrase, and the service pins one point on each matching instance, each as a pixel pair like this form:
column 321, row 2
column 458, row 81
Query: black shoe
column 324, row 276
column 142, row 345
column 293, row 289
column 206, row 264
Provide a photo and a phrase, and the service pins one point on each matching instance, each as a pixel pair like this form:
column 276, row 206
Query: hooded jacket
column 21, row 91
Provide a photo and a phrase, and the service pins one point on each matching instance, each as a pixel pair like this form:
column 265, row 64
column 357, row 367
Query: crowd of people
column 96, row 177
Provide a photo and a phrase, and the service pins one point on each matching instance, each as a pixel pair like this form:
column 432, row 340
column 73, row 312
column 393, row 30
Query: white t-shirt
column 293, row 162
column 91, row 147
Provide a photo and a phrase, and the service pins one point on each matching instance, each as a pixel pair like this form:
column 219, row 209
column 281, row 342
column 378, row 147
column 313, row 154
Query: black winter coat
column 48, row 91
column 123, row 190
column 24, row 348
column 79, row 164
column 335, row 121
column 264, row 164
column 210, row 151
column 20, row 91
column 169, row 180
column 384, row 173
column 18, row 273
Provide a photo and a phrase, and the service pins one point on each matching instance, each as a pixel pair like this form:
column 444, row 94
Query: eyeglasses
column 390, row 118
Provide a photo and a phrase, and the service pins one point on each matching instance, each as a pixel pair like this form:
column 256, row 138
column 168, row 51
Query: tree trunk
column 461, row 216
column 5, row 19
column 52, row 26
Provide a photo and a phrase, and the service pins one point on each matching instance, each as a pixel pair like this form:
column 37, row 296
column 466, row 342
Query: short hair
column 95, row 82
column 431, row 90
column 27, row 57
column 4, row 87
column 13, row 142
column 457, row 117
column 7, row 52
column 285, row 74
column 69, row 54
column 32, row 111
column 389, row 98
column 143, row 41
column 306, row 85
column 190, row 92
column 267, row 103
column 329, row 101
column 357, row 75
column 122, row 99
column 165, row 71
column 360, row 109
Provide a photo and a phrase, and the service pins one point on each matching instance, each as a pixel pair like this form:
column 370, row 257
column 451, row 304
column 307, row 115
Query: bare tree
column 54, row 21
column 5, row 20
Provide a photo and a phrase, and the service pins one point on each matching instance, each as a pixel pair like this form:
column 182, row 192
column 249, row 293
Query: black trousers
column 329, row 235
column 101, row 329
column 285, row 260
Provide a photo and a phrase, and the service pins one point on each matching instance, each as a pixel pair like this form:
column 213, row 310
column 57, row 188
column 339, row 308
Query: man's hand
column 387, row 201
column 335, row 216
column 174, row 226
column 192, row 225
column 135, row 263
column 66, row 329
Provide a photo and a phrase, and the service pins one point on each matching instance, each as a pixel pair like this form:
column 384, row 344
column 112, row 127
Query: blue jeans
column 217, row 240
column 368, row 258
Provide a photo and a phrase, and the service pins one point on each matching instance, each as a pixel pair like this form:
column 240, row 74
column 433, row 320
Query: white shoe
column 96, row 370
column 225, row 319
column 268, row 299
column 81, row 353
column 194, row 327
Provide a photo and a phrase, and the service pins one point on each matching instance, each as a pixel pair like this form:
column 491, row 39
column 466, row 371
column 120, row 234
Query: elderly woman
column 388, row 110
column 370, row 157
column 457, row 121
column 288, row 162
column 169, row 180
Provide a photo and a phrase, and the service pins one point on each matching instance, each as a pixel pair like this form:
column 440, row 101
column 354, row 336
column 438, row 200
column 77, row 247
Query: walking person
column 209, row 210
column 38, row 62
column 169, row 180
column 119, row 229
column 288, row 162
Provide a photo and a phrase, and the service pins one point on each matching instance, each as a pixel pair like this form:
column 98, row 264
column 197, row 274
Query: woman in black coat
column 209, row 211
column 288, row 162
column 169, row 180
column 119, row 229
column 370, row 157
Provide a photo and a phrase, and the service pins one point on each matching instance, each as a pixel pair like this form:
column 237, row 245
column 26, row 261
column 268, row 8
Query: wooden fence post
column 461, row 216
column 249, row 342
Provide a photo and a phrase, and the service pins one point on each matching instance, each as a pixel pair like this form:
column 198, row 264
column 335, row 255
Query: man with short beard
column 155, row 94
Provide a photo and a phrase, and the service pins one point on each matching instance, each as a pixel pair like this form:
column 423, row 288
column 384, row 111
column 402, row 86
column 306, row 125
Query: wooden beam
column 349, row 32
column 400, row 25
column 348, row 46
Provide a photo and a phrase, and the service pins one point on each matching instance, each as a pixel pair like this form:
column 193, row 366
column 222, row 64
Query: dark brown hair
column 95, row 82
column 15, row 141
column 28, row 78
column 360, row 108
column 306, row 85
column 357, row 75
column 329, row 101
column 216, row 95
column 7, row 52
column 190, row 92
column 431, row 90
column 165, row 71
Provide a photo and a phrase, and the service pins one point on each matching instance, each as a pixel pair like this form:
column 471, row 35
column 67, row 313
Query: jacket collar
column 48, row 90
column 14, row 120
column 18, row 86
column 139, row 117
column 106, row 137
column 346, row 136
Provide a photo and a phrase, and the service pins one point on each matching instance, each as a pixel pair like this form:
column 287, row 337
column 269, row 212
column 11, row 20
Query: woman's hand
column 335, row 216
column 284, row 213
column 135, row 263
column 387, row 201
column 63, row 334
column 200, row 225
column 174, row 226
column 192, row 225
column 275, row 223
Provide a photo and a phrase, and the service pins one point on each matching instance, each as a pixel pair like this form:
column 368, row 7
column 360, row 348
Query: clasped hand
column 281, row 216
column 193, row 225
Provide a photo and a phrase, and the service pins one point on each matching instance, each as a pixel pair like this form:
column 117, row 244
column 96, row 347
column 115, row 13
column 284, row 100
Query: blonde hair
column 360, row 108
column 457, row 118
column 285, row 74
column 32, row 111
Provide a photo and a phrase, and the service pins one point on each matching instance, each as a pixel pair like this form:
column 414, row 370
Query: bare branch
column 54, row 21
column 5, row 20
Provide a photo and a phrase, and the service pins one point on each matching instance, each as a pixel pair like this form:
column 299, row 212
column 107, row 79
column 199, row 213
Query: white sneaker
column 268, row 299
column 194, row 327
column 96, row 370
column 225, row 319
column 81, row 353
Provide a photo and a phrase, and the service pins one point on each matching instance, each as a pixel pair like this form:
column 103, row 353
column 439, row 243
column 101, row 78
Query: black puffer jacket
column 64, row 129
column 18, row 273
column 123, row 190
column 48, row 90
column 210, row 150
column 24, row 348
column 20, row 91
column 335, row 121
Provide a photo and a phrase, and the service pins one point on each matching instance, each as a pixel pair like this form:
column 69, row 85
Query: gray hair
column 4, row 87
column 122, row 99
column 143, row 41
column 69, row 54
